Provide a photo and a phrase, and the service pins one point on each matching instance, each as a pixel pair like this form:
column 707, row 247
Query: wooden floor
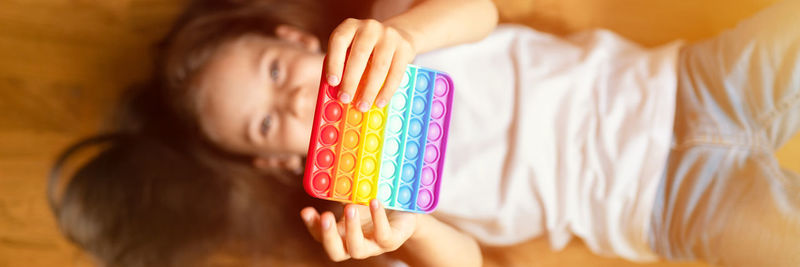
column 63, row 62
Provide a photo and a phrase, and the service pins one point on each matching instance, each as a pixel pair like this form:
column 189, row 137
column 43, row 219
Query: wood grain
column 63, row 63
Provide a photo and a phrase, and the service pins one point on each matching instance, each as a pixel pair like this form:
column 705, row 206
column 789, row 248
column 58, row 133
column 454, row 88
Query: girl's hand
column 357, row 238
column 376, row 55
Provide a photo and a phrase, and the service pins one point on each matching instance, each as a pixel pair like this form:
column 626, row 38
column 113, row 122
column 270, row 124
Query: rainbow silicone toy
column 394, row 153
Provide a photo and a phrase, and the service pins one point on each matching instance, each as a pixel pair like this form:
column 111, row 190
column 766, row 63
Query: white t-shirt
column 556, row 137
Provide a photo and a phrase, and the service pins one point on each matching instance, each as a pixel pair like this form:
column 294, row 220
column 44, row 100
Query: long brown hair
column 157, row 193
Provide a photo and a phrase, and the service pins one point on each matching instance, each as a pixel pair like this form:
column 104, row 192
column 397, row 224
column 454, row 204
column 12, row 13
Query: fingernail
column 381, row 103
column 375, row 204
column 345, row 98
column 326, row 223
column 351, row 213
column 363, row 106
column 333, row 80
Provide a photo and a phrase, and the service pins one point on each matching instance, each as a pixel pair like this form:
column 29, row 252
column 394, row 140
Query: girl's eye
column 273, row 70
column 266, row 124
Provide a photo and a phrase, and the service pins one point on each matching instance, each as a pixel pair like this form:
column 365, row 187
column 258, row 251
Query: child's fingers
column 311, row 219
column 339, row 42
column 354, row 236
column 363, row 43
column 331, row 240
column 382, row 232
column 378, row 68
column 394, row 77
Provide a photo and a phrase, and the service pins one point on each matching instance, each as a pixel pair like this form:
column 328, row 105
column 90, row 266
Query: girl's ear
column 267, row 164
column 296, row 35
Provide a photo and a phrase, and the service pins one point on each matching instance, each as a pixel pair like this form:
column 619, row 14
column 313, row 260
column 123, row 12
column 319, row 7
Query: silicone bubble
column 415, row 127
column 441, row 87
column 372, row 143
column 350, row 139
column 332, row 91
column 408, row 172
column 321, row 181
column 418, row 106
column 325, row 158
column 434, row 132
column 329, row 135
column 347, row 162
column 424, row 199
column 333, row 112
column 343, row 186
column 427, row 176
column 354, row 117
column 384, row 192
column 422, row 83
column 431, row 153
column 398, row 101
column 391, row 147
column 412, row 150
column 405, row 195
column 395, row 124
column 364, row 189
column 406, row 78
column 437, row 109
column 368, row 166
column 375, row 121
column 387, row 169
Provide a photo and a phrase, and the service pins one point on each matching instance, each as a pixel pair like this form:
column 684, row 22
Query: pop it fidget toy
column 393, row 153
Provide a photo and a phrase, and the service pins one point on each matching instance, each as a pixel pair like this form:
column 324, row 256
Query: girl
column 642, row 153
column 130, row 192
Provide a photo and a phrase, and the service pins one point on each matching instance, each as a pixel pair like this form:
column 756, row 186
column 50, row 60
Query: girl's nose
column 298, row 100
column 290, row 99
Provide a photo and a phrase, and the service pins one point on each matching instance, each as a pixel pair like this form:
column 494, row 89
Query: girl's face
column 256, row 95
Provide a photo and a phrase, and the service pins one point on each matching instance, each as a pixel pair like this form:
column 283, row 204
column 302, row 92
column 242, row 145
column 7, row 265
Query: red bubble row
column 324, row 157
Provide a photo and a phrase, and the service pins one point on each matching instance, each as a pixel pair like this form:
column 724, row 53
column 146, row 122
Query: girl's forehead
column 226, row 91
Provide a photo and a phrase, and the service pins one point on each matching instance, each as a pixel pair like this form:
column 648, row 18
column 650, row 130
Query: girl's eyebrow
column 259, row 61
column 250, row 127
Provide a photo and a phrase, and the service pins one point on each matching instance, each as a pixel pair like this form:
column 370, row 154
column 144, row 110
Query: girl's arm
column 433, row 24
column 438, row 244
column 376, row 52
column 419, row 239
